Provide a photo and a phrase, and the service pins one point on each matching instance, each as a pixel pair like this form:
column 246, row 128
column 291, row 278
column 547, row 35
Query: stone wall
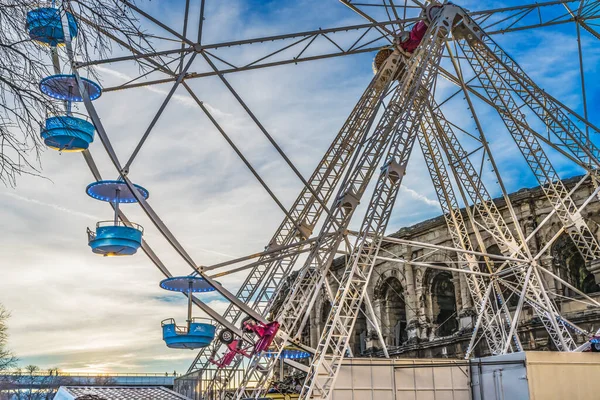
column 429, row 313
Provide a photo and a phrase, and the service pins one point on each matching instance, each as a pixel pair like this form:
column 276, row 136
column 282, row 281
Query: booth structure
column 544, row 375
column 117, row 392
column 535, row 375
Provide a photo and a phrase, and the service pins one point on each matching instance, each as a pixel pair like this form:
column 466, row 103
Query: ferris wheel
column 415, row 44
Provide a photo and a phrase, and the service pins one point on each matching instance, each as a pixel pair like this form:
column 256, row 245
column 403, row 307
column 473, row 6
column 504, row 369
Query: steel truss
column 405, row 85
column 490, row 220
column 264, row 281
column 332, row 347
column 311, row 279
column 332, row 42
column 499, row 92
column 495, row 334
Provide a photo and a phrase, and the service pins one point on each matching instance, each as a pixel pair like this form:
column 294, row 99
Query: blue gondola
column 197, row 332
column 293, row 353
column 65, row 87
column 68, row 133
column 113, row 238
column 45, row 26
column 199, row 335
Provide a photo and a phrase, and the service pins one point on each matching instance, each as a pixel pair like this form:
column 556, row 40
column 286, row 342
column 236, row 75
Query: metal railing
column 194, row 385
column 79, row 115
column 120, row 223
column 83, row 374
column 182, row 329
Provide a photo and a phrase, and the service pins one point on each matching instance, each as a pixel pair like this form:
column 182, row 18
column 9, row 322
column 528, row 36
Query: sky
column 77, row 311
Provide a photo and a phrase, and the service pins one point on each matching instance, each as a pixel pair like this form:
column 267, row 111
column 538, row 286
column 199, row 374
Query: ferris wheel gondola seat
column 112, row 239
column 199, row 335
column 265, row 331
column 65, row 87
column 67, row 133
column 414, row 38
column 45, row 26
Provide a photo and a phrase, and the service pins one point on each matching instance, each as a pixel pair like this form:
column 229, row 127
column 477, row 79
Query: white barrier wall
column 573, row 376
column 516, row 376
column 403, row 379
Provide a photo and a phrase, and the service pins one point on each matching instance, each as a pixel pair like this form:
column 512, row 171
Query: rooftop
column 116, row 393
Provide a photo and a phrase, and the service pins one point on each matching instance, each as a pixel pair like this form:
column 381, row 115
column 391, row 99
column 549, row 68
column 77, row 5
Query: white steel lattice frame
column 339, row 326
column 324, row 179
column 388, row 132
column 408, row 117
column 478, row 287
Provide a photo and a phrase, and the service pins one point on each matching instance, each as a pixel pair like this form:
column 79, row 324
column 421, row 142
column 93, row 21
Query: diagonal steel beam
column 180, row 77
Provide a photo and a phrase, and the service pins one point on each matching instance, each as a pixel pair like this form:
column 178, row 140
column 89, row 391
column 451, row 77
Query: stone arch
column 593, row 221
column 389, row 291
column 442, row 306
column 358, row 342
column 325, row 310
column 511, row 298
column 445, row 310
column 442, row 259
column 548, row 231
column 571, row 267
column 528, row 225
column 380, row 286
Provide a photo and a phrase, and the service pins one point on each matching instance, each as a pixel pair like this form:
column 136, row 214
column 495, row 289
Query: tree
column 24, row 62
column 7, row 358
column 29, row 383
column 32, row 383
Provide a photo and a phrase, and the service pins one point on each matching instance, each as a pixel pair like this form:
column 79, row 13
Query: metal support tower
column 264, row 281
column 557, row 194
column 333, row 344
column 311, row 278
column 495, row 334
column 557, row 117
column 491, row 220
column 407, row 101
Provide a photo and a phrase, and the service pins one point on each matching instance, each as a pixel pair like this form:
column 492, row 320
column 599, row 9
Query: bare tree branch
column 25, row 62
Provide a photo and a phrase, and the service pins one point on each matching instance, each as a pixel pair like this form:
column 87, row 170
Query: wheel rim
column 227, row 336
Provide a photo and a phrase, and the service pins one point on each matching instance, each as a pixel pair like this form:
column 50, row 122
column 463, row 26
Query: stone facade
column 429, row 313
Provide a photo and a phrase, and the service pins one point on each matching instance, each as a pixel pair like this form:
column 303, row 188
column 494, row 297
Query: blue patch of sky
column 171, row 299
column 532, row 48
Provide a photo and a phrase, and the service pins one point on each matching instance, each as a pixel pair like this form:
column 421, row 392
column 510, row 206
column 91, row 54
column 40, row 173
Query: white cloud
column 53, row 206
column 420, row 197
column 184, row 100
